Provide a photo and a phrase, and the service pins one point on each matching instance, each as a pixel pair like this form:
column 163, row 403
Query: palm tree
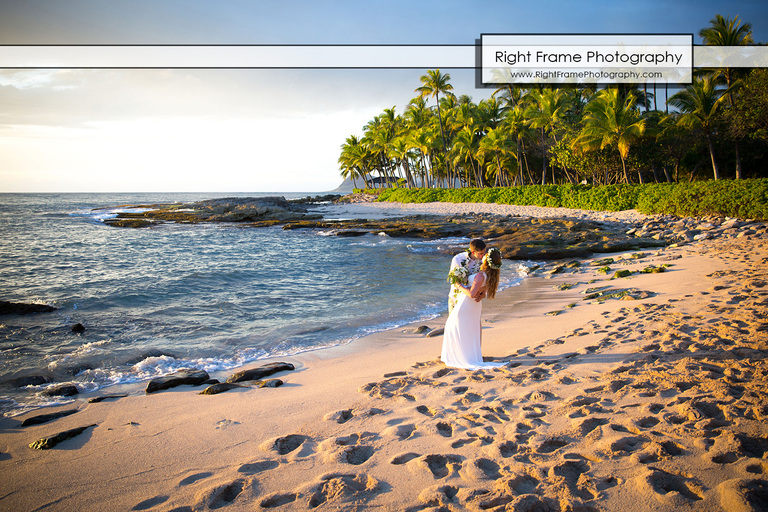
column 490, row 113
column 352, row 161
column 728, row 32
column 498, row 146
column 518, row 124
column 547, row 112
column 611, row 121
column 434, row 83
column 400, row 152
column 464, row 149
column 698, row 104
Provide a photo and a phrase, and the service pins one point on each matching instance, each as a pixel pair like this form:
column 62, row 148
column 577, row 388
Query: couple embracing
column 474, row 276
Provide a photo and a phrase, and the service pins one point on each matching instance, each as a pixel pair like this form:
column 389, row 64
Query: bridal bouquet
column 459, row 275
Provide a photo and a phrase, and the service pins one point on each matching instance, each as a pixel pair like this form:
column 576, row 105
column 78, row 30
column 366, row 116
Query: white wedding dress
column 463, row 335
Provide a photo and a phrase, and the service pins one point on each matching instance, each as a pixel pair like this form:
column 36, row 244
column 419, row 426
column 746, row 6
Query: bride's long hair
column 491, row 265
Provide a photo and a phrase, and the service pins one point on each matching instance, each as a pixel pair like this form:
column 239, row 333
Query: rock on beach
column 46, row 443
column 179, row 378
column 260, row 372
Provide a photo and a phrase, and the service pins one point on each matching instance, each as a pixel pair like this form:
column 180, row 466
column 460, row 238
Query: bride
column 463, row 332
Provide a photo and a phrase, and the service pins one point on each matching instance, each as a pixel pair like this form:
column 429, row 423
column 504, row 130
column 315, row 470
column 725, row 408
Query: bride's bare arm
column 477, row 290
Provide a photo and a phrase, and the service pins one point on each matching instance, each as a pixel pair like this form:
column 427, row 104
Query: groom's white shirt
column 455, row 262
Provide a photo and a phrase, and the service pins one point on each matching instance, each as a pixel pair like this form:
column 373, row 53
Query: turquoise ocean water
column 213, row 297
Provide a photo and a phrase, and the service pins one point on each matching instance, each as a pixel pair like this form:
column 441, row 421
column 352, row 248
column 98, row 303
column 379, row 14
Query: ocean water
column 213, row 297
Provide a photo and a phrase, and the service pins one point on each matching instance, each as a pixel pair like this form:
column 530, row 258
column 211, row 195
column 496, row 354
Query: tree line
column 717, row 127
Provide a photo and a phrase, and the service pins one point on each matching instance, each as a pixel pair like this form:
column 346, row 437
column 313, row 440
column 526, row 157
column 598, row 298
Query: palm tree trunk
column 712, row 155
column 624, row 167
column 544, row 161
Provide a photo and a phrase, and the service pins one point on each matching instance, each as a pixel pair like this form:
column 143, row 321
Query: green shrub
column 747, row 199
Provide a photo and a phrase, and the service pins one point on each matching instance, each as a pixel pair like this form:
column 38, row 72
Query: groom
column 472, row 259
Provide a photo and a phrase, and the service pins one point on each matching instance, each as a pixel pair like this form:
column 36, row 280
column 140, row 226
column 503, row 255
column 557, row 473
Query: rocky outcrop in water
column 516, row 237
column 60, row 390
column 19, row 308
column 258, row 210
column 29, row 380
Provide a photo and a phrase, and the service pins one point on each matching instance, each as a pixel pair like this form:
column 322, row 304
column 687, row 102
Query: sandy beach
column 638, row 393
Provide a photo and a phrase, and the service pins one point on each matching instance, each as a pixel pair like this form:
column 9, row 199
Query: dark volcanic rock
column 98, row 399
column 29, row 380
column 220, row 387
column 18, row 308
column 179, row 378
column 260, row 372
column 46, row 443
column 45, row 418
column 270, row 383
column 228, row 209
column 516, row 237
column 78, row 327
column 60, row 390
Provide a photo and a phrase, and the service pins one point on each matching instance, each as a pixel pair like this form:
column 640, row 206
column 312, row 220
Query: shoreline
column 375, row 209
column 651, row 404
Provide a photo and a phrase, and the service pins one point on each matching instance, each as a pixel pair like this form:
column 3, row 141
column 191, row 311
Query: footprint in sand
column 507, row 449
column 647, row 422
column 404, row 458
column 437, row 497
column 495, row 414
column 441, row 465
column 151, row 502
column 627, row 445
column 349, row 449
column 194, row 478
column 277, row 500
column 257, row 467
column 222, row 495
column 339, row 416
column 284, row 445
column 481, row 469
column 423, row 409
column 675, row 490
column 744, row 494
column 402, row 432
column 444, row 429
column 338, row 489
column 473, row 437
column 590, row 424
column 356, row 455
column 569, row 474
column 553, row 444
column 536, row 411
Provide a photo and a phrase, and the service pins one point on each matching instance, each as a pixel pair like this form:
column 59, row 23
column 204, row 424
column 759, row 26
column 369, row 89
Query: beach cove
column 643, row 392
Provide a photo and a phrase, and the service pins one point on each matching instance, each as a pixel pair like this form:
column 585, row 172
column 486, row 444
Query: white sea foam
column 209, row 297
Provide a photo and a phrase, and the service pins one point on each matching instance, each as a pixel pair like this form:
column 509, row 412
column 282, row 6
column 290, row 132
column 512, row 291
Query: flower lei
column 459, row 275
column 487, row 259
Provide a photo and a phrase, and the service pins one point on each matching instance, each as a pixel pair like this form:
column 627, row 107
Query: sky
column 253, row 130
